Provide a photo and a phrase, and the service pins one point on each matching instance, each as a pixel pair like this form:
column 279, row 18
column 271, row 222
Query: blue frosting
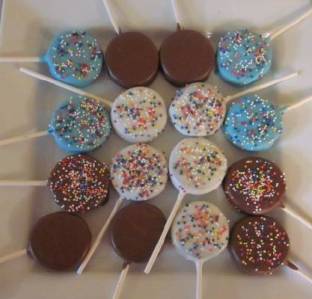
column 74, row 57
column 80, row 125
column 253, row 124
column 243, row 57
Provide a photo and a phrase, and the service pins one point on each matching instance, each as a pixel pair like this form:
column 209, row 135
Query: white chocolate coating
column 198, row 110
column 139, row 114
column 197, row 166
column 200, row 231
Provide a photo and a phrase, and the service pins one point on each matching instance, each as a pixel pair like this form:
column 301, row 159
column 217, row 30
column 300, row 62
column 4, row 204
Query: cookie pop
column 255, row 124
column 131, row 57
column 196, row 166
column 199, row 108
column 260, row 245
column 186, row 56
column 135, row 230
column 78, row 183
column 256, row 186
column 138, row 173
column 58, row 242
column 73, row 57
column 79, row 125
column 200, row 232
column 244, row 57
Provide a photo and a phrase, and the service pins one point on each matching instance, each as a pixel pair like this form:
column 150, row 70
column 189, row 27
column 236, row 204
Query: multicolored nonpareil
column 139, row 172
column 198, row 110
column 139, row 114
column 75, row 57
column 259, row 244
column 253, row 123
column 79, row 183
column 80, row 125
column 243, row 56
column 197, row 166
column 200, row 231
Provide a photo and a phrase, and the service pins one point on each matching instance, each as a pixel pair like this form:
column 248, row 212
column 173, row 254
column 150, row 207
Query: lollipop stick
column 261, row 86
column 64, row 86
column 176, row 13
column 24, row 137
column 13, row 256
column 21, row 183
column 99, row 237
column 199, row 279
column 299, row 104
column 281, row 30
column 110, row 16
column 164, row 233
column 121, row 281
column 290, row 264
column 294, row 214
column 17, row 59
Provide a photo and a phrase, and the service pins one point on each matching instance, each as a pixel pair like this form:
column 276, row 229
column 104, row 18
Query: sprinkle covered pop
column 74, row 57
column 200, row 232
column 139, row 114
column 79, row 183
column 138, row 173
column 196, row 166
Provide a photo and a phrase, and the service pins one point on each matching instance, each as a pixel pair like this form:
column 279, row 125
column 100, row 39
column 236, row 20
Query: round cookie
column 198, row 110
column 60, row 241
column 186, row 56
column 200, row 231
column 243, row 56
column 132, row 59
column 197, row 166
column 74, row 57
column 254, row 185
column 80, row 125
column 79, row 183
column 259, row 244
column 253, row 123
column 139, row 172
column 139, row 114
column 135, row 231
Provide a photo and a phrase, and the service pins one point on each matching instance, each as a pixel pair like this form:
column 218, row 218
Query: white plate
column 28, row 26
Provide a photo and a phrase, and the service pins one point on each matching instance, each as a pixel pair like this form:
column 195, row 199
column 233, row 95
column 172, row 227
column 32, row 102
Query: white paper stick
column 295, row 268
column 121, row 281
column 176, row 12
column 63, row 85
column 275, row 33
column 294, row 214
column 262, row 86
column 19, row 59
column 99, row 237
column 110, row 16
column 299, row 104
column 13, row 256
column 23, row 183
column 24, row 137
column 199, row 279
column 164, row 233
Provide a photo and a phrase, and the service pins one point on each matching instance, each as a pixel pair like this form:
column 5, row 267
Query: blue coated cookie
column 243, row 56
column 74, row 57
column 253, row 124
column 80, row 125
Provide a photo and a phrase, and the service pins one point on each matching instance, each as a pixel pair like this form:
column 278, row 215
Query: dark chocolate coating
column 186, row 56
column 135, row 231
column 132, row 59
column 79, row 183
column 60, row 241
column 254, row 185
column 259, row 244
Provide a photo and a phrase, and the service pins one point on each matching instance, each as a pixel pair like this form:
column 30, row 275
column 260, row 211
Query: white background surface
column 28, row 26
